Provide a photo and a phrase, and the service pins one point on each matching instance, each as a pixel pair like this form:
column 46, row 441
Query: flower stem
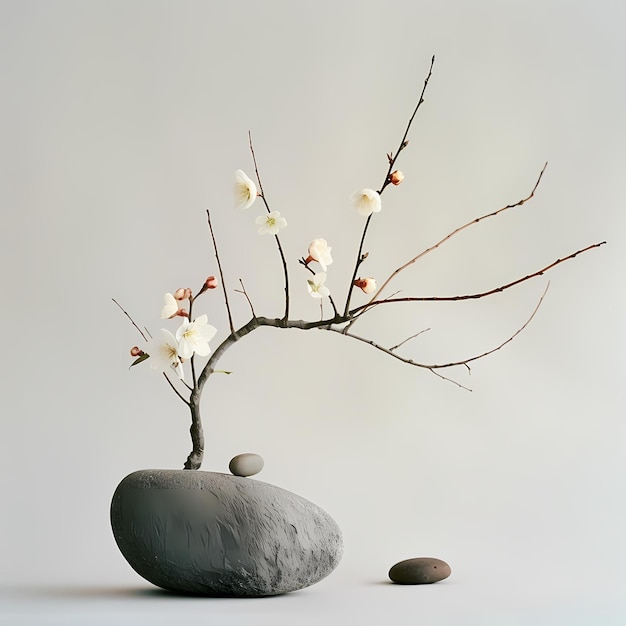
column 280, row 248
column 392, row 161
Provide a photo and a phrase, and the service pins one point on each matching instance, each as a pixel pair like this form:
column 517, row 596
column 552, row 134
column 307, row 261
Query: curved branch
column 437, row 366
column 458, row 230
column 475, row 296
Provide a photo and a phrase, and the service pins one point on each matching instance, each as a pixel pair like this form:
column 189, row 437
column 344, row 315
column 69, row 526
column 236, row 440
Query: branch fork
column 341, row 323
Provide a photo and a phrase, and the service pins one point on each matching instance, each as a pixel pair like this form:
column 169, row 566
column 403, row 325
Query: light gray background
column 122, row 121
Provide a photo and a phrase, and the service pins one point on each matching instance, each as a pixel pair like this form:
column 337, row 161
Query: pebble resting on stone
column 419, row 571
column 246, row 464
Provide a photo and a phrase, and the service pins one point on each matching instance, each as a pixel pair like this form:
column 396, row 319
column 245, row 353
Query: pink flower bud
column 136, row 351
column 181, row 313
column 180, row 294
column 395, row 178
column 211, row 282
column 366, row 285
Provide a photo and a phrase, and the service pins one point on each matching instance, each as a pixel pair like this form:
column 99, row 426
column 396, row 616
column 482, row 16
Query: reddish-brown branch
column 437, row 366
column 456, row 231
column 482, row 294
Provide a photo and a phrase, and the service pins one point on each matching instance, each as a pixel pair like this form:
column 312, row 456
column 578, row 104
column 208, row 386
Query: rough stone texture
column 215, row 534
column 419, row 571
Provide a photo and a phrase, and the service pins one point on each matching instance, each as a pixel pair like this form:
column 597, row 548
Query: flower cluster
column 168, row 351
column 366, row 201
column 319, row 251
column 245, row 195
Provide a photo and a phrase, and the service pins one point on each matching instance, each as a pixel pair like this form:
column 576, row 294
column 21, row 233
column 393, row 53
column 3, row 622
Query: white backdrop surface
column 122, row 121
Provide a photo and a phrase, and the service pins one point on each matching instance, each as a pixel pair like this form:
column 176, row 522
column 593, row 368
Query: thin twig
column 130, row 318
column 142, row 334
column 450, row 380
column 456, row 231
column 515, row 334
column 332, row 302
column 408, row 339
column 171, row 384
column 280, row 248
column 392, row 160
column 403, row 141
column 219, row 267
column 474, row 296
column 365, row 310
column 359, row 260
column 436, row 366
column 245, row 293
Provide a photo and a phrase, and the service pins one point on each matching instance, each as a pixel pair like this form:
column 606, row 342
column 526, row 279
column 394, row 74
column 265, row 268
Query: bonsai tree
column 170, row 353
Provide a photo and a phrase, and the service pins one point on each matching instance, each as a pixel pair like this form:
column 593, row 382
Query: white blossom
column 171, row 307
column 271, row 223
column 366, row 201
column 163, row 351
column 194, row 337
column 245, row 190
column 320, row 252
column 316, row 286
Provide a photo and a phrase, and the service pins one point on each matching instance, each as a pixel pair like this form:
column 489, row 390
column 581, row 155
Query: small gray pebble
column 419, row 571
column 246, row 464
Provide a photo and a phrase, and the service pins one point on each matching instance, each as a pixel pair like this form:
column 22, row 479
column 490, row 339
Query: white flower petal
column 366, row 201
column 245, row 190
column 270, row 223
column 316, row 286
column 163, row 351
column 171, row 307
column 193, row 337
column 320, row 251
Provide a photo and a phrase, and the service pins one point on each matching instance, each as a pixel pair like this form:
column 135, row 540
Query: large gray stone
column 215, row 534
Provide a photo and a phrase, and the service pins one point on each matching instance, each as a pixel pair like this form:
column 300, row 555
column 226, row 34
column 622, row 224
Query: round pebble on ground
column 247, row 464
column 419, row 571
